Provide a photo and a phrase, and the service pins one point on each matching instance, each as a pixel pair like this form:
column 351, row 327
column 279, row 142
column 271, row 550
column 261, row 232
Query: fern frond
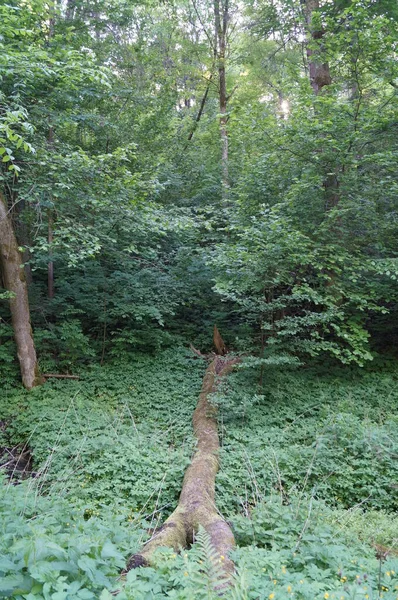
column 239, row 591
column 210, row 561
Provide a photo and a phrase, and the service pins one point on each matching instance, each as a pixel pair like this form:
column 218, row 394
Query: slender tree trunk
column 221, row 27
column 23, row 238
column 319, row 73
column 50, row 266
column 15, row 282
column 201, row 108
column 50, row 141
column 50, row 215
column 70, row 10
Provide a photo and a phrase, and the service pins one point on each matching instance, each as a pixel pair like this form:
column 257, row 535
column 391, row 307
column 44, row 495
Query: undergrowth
column 308, row 483
column 330, row 435
column 50, row 550
column 118, row 435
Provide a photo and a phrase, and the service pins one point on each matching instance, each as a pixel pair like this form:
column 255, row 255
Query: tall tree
column 13, row 276
column 319, row 70
column 221, row 20
column 319, row 74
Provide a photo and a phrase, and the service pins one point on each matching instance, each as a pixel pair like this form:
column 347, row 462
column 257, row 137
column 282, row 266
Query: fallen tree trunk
column 196, row 506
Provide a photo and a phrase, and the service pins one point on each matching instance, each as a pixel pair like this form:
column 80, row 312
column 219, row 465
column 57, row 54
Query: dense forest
column 198, row 208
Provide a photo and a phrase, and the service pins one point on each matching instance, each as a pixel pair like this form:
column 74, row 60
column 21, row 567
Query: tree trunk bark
column 50, row 266
column 218, row 342
column 221, row 27
column 15, row 282
column 201, row 108
column 319, row 72
column 196, row 506
column 70, row 10
column 23, row 237
column 320, row 77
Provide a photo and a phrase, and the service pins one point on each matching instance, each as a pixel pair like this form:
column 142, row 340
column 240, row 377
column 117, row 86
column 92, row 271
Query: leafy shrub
column 377, row 527
column 49, row 550
column 289, row 551
column 121, row 433
column 332, row 436
column 63, row 345
column 126, row 341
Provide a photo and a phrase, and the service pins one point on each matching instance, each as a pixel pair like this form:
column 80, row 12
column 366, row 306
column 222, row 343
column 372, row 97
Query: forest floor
column 308, row 482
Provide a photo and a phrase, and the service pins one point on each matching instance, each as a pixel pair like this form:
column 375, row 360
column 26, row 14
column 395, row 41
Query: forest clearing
column 198, row 299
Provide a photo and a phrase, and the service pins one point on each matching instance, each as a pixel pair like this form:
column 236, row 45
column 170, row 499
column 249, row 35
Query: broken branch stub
column 219, row 342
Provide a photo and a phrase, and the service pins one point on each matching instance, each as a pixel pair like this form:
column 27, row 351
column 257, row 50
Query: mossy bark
column 14, row 281
column 196, row 505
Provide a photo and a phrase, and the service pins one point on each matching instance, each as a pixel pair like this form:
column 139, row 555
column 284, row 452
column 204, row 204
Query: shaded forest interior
column 165, row 167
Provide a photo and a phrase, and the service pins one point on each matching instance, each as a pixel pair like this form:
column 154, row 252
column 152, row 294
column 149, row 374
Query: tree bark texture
column 320, row 77
column 196, row 505
column 50, row 266
column 221, row 18
column 218, row 342
column 319, row 72
column 22, row 234
column 14, row 281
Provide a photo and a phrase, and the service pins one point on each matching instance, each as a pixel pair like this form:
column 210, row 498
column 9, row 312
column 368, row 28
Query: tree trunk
column 23, row 237
column 320, row 77
column 196, row 506
column 221, row 27
column 70, row 10
column 201, row 108
column 15, row 282
column 50, row 266
column 319, row 72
